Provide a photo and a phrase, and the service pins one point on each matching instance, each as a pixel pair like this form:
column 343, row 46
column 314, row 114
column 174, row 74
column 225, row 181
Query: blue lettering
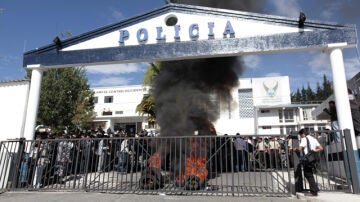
column 192, row 28
column 229, row 30
column 211, row 30
column 124, row 34
column 159, row 32
column 177, row 30
column 142, row 35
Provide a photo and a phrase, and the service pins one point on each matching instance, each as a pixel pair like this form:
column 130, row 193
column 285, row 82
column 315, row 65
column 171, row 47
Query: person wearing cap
column 314, row 145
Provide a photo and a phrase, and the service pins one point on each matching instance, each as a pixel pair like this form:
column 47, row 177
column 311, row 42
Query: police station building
column 260, row 106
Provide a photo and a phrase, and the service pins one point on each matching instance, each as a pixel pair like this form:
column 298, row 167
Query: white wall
column 125, row 99
column 271, row 90
column 13, row 101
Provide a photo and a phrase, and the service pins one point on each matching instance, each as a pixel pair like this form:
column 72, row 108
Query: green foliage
column 151, row 72
column 322, row 92
column 147, row 104
column 66, row 99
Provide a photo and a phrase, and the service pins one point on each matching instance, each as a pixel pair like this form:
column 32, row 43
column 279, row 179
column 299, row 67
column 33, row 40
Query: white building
column 259, row 106
column 13, row 103
column 115, row 107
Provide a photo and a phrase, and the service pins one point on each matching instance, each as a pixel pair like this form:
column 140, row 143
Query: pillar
column 343, row 106
column 340, row 90
column 33, row 104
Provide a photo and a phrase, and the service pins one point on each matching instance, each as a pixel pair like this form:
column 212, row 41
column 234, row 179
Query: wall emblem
column 270, row 87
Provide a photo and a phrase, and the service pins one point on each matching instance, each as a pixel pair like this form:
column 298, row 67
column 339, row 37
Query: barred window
column 108, row 99
column 246, row 103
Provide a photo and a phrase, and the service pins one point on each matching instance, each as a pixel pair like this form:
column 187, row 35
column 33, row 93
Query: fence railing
column 198, row 165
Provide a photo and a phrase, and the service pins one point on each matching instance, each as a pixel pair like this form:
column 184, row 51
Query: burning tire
column 194, row 183
column 151, row 179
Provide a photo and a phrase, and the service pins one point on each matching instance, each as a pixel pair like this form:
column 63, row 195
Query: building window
column 310, row 128
column 289, row 115
column 290, row 129
column 96, row 100
column 246, row 103
column 266, row 127
column 107, row 113
column 321, row 127
column 108, row 99
column 119, row 112
column 264, row 111
column 280, row 115
column 307, row 114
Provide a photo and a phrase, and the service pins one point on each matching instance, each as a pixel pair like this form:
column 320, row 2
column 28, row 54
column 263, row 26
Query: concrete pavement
column 96, row 197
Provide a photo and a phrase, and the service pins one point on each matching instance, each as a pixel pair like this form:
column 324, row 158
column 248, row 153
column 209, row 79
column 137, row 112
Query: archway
column 176, row 32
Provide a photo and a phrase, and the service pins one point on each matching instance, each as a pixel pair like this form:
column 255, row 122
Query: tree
column 147, row 104
column 310, row 95
column 297, row 96
column 303, row 94
column 66, row 99
column 151, row 72
column 319, row 92
column 327, row 88
column 322, row 92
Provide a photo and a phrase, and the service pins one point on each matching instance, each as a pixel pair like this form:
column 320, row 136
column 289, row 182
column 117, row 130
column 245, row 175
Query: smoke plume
column 187, row 93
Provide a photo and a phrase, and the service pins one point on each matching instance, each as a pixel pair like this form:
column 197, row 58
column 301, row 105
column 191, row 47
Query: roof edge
column 187, row 8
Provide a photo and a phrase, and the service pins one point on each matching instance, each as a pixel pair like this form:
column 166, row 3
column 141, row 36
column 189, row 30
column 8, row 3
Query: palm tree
column 147, row 104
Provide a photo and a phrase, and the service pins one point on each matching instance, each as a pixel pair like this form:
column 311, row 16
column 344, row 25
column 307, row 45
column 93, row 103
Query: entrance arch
column 193, row 32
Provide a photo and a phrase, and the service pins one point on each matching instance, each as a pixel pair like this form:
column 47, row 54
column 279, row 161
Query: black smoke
column 188, row 92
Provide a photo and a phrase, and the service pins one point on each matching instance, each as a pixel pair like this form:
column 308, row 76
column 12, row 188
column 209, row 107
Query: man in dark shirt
column 334, row 120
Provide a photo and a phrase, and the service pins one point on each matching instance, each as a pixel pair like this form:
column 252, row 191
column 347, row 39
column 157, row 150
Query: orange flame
column 195, row 166
column 155, row 161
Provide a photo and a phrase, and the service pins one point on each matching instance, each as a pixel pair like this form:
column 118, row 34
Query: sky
column 26, row 25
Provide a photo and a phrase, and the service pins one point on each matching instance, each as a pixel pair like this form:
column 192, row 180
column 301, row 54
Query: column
column 301, row 115
column 343, row 108
column 340, row 91
column 33, row 104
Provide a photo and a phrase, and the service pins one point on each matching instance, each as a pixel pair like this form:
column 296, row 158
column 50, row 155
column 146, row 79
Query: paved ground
column 96, row 197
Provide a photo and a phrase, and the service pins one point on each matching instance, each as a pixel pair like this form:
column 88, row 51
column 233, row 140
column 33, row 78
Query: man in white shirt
column 314, row 145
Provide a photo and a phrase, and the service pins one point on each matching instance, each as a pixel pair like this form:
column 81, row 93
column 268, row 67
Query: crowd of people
column 55, row 158
column 257, row 153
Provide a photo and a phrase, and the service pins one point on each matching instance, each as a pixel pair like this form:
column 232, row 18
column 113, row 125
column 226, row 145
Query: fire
column 195, row 166
column 193, row 176
column 155, row 161
column 195, row 163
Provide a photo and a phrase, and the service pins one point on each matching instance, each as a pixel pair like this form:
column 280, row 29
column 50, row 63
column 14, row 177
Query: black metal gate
column 196, row 165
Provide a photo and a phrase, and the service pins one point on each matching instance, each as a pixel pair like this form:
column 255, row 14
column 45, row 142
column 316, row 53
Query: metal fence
column 332, row 171
column 196, row 165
